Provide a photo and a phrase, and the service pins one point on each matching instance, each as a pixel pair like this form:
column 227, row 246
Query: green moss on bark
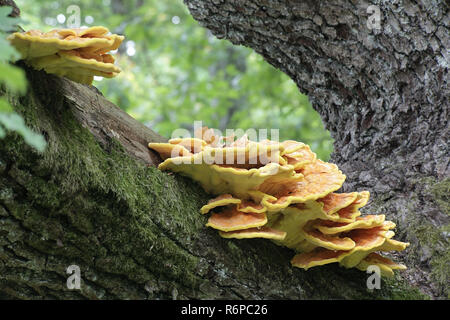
column 441, row 194
column 82, row 202
column 432, row 248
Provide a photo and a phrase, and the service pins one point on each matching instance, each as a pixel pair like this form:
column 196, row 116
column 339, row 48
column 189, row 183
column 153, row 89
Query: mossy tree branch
column 94, row 199
column 134, row 231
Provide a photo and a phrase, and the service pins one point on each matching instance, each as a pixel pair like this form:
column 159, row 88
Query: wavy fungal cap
column 77, row 54
column 282, row 192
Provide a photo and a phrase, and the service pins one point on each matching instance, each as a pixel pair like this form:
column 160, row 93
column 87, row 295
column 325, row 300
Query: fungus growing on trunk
column 232, row 219
column 262, row 232
column 286, row 195
column 222, row 200
column 77, row 54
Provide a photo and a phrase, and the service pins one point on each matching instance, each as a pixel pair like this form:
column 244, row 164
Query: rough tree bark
column 94, row 199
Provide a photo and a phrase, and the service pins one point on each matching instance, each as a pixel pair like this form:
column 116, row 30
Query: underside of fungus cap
column 250, row 206
column 81, row 76
column 367, row 241
column 77, row 54
column 66, row 63
column 73, row 58
column 317, row 257
column 333, row 202
column 349, row 213
column 262, row 232
column 232, row 219
column 279, row 185
column 169, row 150
column 331, row 242
column 222, row 200
column 386, row 265
column 365, row 222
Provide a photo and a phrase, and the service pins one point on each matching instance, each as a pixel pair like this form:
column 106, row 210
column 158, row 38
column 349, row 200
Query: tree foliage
column 175, row 72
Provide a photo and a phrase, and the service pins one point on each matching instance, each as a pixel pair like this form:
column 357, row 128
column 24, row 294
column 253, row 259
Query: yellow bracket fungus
column 77, row 54
column 169, row 150
column 250, row 206
column 366, row 222
column 232, row 219
column 262, row 232
column 222, row 178
column 282, row 192
column 222, row 200
column 386, row 265
column 192, row 144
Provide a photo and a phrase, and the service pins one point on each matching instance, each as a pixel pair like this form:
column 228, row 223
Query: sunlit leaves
column 14, row 122
column 5, row 107
column 181, row 73
column 13, row 77
column 7, row 53
column 8, row 24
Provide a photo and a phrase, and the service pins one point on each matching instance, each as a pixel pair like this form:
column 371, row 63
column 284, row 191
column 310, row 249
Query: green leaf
column 7, row 23
column 7, row 52
column 35, row 140
column 13, row 77
column 5, row 106
column 14, row 122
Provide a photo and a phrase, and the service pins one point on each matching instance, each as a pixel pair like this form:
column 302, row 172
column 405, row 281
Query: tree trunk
column 94, row 198
column 382, row 93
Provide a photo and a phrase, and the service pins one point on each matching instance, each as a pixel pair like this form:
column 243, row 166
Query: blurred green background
column 175, row 72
